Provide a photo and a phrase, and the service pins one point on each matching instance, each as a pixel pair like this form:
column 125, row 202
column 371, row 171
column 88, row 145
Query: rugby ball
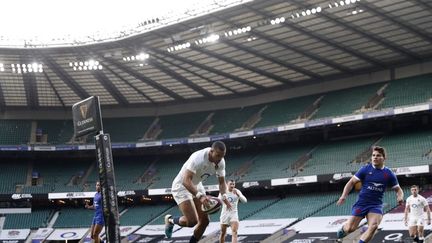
column 214, row 206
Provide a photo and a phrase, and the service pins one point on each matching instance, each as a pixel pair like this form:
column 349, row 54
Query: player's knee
column 373, row 227
column 351, row 228
column 191, row 222
column 234, row 231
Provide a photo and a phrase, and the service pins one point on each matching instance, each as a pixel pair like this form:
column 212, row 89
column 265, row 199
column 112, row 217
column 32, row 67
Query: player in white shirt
column 230, row 217
column 189, row 193
column 415, row 209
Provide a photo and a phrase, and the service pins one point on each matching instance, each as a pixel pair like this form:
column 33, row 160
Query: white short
column 228, row 217
column 181, row 194
column 415, row 221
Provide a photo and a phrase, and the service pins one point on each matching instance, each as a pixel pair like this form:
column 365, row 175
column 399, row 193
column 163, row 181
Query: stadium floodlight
column 74, row 68
column 40, row 70
column 86, row 63
column 96, row 63
column 91, row 62
column 347, row 2
column 81, row 64
column 75, row 64
column 353, row 1
column 34, row 65
column 313, row 11
column 341, row 3
column 213, row 37
column 303, row 13
column 100, row 67
column 318, row 9
column 70, row 64
column 308, row 12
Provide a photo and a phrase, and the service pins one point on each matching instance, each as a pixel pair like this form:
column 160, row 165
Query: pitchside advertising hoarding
column 249, row 231
column 14, row 235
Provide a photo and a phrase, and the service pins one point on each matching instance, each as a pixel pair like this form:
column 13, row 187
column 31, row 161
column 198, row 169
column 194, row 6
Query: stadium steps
column 229, row 120
column 29, row 177
column 353, row 99
column 285, row 111
column 189, row 124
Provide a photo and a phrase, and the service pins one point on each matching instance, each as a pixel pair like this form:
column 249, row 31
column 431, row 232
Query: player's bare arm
column 87, row 206
column 399, row 194
column 187, row 183
column 428, row 213
column 407, row 210
column 223, row 190
column 348, row 187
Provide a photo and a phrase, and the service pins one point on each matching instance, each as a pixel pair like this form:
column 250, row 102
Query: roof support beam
column 55, row 90
column 106, row 83
column 395, row 20
column 322, row 39
column 209, row 69
column 310, row 55
column 180, row 78
column 65, row 77
column 29, row 81
column 130, row 84
column 162, row 57
column 364, row 33
column 143, row 78
column 241, row 65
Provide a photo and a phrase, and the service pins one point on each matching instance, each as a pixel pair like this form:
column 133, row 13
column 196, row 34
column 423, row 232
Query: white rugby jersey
column 233, row 199
column 416, row 205
column 199, row 164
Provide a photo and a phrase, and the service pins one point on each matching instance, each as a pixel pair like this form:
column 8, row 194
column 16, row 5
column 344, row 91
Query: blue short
column 98, row 220
column 362, row 211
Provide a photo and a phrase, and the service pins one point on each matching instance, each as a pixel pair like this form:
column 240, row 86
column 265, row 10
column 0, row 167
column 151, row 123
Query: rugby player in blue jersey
column 98, row 218
column 375, row 178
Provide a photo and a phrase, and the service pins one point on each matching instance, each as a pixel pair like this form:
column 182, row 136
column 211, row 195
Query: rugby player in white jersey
column 415, row 209
column 230, row 217
column 189, row 193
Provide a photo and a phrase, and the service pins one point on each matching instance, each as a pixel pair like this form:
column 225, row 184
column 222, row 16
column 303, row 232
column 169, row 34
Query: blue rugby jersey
column 374, row 183
column 97, row 202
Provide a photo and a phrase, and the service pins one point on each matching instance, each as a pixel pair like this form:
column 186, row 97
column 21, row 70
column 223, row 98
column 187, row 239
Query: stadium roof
column 273, row 44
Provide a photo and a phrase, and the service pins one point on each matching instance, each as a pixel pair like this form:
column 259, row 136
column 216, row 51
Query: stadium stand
column 338, row 154
column 346, row 101
column 408, row 149
column 294, row 206
column 408, row 91
column 275, row 163
column 284, row 111
column 11, row 175
column 129, row 129
column 181, row 125
column 231, row 119
column 36, row 219
column 56, row 131
column 15, row 132
column 74, row 218
column 167, row 169
column 399, row 92
column 141, row 215
column 53, row 179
